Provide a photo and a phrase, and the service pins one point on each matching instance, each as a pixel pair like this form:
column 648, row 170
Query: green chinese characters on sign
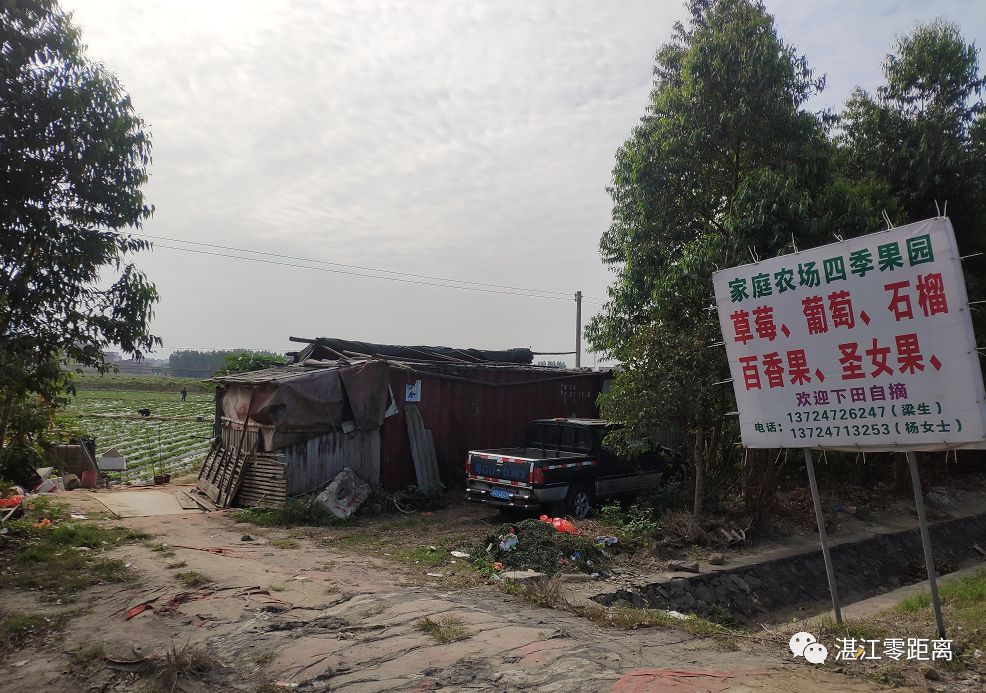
column 919, row 250
column 737, row 290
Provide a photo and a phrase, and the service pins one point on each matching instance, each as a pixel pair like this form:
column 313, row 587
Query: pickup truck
column 564, row 465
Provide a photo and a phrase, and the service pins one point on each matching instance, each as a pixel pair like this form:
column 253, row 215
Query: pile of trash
column 537, row 545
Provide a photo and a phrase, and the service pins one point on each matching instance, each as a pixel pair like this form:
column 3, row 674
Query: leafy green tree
column 725, row 165
column 73, row 159
column 243, row 361
column 923, row 136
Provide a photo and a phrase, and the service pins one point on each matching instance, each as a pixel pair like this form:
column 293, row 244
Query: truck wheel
column 578, row 502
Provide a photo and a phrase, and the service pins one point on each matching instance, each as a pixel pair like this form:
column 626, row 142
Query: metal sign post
column 829, row 571
column 929, row 560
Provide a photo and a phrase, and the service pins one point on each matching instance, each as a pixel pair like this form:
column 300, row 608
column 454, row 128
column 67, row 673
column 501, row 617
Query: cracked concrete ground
column 317, row 619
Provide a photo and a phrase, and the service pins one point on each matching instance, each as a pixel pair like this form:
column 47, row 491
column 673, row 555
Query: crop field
column 171, row 439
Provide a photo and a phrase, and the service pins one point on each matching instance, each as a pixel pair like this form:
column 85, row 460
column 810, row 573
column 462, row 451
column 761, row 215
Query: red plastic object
column 11, row 502
column 560, row 524
column 139, row 609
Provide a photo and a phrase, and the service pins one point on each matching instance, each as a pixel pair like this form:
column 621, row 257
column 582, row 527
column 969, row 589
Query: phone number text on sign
column 865, row 343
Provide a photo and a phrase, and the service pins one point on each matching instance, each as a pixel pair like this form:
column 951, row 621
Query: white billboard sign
column 862, row 344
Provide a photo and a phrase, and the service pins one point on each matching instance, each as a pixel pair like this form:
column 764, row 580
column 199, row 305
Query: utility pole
column 578, row 329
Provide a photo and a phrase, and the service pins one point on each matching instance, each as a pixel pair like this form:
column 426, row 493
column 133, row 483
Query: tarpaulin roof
column 294, row 403
column 344, row 347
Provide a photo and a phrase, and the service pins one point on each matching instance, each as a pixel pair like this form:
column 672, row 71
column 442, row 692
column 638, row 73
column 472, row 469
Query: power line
column 356, row 267
column 358, row 274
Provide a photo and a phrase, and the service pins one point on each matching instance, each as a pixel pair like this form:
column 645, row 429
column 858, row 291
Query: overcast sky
column 464, row 139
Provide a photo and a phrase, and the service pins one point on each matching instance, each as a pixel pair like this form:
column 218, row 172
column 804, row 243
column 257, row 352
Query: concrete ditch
column 780, row 588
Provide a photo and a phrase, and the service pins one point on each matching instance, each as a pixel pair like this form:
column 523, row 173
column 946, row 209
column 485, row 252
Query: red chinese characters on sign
column 931, row 294
column 906, row 348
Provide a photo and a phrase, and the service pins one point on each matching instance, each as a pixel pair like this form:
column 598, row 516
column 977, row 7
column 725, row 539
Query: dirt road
column 321, row 618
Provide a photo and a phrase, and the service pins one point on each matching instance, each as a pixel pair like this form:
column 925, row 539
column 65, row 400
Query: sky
column 470, row 139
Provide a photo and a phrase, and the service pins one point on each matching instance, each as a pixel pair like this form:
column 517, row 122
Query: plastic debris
column 435, row 574
column 560, row 524
column 21, row 663
column 497, row 566
column 246, row 537
column 74, row 516
column 460, row 554
column 11, row 502
column 607, row 541
column 509, row 542
column 344, row 495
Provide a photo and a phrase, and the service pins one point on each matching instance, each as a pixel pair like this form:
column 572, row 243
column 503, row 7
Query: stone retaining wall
column 863, row 569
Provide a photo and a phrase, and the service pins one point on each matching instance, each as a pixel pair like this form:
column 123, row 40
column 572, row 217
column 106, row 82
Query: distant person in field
column 184, row 393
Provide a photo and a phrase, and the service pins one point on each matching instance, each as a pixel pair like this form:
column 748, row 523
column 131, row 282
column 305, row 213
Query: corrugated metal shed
column 466, row 405
column 479, row 406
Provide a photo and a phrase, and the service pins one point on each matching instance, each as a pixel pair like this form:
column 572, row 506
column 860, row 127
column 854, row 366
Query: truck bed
column 532, row 454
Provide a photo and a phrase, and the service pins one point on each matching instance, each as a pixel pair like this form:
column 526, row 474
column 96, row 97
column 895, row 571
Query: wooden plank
column 185, row 502
column 203, row 503
column 238, row 482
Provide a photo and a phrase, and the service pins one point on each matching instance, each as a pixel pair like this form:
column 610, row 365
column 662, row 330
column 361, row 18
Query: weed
column 630, row 618
column 634, row 524
column 284, row 543
column 63, row 557
column 163, row 549
column 299, row 512
column 174, row 565
column 186, row 662
column 277, row 587
column 193, row 578
column 889, row 676
column 87, row 656
column 445, row 630
column 543, row 592
column 263, row 659
column 422, row 556
column 855, row 629
column 413, row 499
column 17, row 629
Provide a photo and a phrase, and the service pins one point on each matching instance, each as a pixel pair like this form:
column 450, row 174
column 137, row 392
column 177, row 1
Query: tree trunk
column 699, row 460
column 8, row 405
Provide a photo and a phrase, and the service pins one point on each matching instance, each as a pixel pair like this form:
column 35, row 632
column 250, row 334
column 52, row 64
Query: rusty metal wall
column 463, row 415
column 316, row 461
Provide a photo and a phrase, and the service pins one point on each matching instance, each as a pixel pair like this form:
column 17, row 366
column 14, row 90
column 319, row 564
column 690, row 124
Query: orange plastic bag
column 560, row 524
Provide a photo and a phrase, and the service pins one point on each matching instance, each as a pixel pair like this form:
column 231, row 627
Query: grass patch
column 18, row 629
column 849, row 628
column 87, row 656
column 284, row 543
column 422, row 556
column 192, row 578
column 189, row 662
column 541, row 592
column 301, row 512
column 174, row 565
column 630, row 618
column 163, row 549
column 445, row 630
column 63, row 557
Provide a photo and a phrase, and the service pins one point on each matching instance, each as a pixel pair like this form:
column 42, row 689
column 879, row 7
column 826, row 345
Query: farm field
column 171, row 439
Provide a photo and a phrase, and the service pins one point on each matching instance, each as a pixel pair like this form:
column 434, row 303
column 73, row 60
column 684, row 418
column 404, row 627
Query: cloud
column 464, row 139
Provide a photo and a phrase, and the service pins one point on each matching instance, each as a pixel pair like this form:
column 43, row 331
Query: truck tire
column 579, row 501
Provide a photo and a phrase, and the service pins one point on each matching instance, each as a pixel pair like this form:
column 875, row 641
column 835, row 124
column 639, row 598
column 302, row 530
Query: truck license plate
column 501, row 493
